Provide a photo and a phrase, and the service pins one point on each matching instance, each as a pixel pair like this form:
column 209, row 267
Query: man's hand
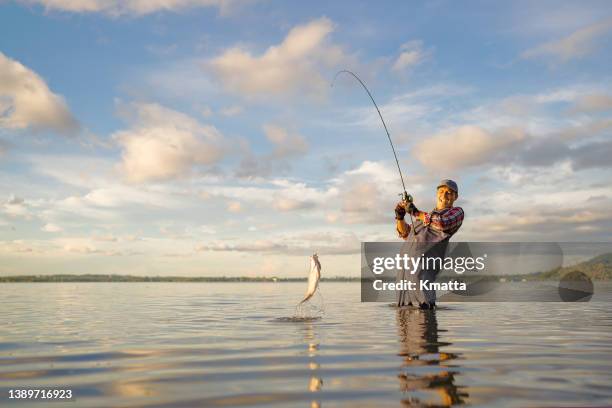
column 412, row 210
column 400, row 211
column 403, row 229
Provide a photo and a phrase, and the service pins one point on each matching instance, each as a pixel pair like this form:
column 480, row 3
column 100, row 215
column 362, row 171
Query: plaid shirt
column 443, row 223
column 447, row 220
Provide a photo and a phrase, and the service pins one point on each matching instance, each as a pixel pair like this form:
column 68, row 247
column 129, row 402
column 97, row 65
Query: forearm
column 403, row 229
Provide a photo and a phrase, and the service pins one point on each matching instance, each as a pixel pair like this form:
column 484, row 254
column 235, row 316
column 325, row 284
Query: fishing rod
column 407, row 198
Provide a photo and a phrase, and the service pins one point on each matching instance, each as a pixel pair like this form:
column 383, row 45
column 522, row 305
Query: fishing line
column 406, row 197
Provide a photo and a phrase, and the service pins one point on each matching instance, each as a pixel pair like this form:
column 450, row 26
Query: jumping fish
column 313, row 277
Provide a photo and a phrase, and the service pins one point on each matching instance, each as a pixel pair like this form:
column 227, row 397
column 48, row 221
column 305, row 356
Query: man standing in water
column 436, row 227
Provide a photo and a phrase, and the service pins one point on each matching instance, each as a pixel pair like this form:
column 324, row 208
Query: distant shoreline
column 598, row 269
column 131, row 278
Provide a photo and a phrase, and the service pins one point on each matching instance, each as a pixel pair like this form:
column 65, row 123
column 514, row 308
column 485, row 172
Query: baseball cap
column 450, row 184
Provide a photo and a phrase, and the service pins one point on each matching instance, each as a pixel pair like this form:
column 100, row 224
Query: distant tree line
column 132, row 278
column 597, row 268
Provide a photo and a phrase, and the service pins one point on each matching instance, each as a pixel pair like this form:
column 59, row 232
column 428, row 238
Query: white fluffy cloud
column 279, row 194
column 51, row 228
column 16, row 207
column 27, row 102
column 465, row 146
column 576, row 45
column 133, row 7
column 367, row 194
column 411, row 54
column 163, row 144
column 291, row 67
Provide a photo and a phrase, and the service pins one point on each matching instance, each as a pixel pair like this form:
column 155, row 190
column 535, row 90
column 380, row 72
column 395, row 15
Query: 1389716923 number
column 39, row 394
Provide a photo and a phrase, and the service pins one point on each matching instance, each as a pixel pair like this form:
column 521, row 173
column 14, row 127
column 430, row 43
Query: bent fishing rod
column 405, row 196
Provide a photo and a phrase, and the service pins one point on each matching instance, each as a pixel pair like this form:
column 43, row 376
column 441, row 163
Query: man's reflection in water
column 419, row 346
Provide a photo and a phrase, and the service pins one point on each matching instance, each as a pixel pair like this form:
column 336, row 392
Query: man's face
column 445, row 197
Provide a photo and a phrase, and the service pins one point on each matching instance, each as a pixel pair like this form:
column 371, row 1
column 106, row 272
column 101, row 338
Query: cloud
column 176, row 232
column 593, row 155
column 76, row 198
column 26, row 102
column 252, row 166
column 104, row 238
column 234, row 207
column 289, row 68
column 16, row 207
column 543, row 115
column 540, row 152
column 16, row 246
column 593, row 103
column 231, row 111
column 466, row 146
column 469, row 146
column 256, row 246
column 361, row 204
column 290, row 204
column 134, row 7
column 278, row 195
column 73, row 207
column 82, row 171
column 576, row 45
column 530, row 206
column 303, row 243
column 208, row 230
column 286, row 145
column 51, row 228
column 367, row 194
column 14, row 200
column 81, row 248
column 412, row 110
column 103, row 246
column 119, row 195
column 579, row 146
column 294, row 196
column 411, row 54
column 164, row 144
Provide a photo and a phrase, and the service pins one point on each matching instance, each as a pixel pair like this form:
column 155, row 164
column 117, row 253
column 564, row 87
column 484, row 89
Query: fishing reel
column 406, row 198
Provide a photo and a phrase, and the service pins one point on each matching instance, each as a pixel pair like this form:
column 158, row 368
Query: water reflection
column 420, row 347
column 179, row 346
column 315, row 383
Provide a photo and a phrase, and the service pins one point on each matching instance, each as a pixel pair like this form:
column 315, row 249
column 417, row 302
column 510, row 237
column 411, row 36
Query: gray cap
column 450, row 184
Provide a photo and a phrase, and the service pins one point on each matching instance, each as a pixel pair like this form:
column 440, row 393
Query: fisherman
column 429, row 235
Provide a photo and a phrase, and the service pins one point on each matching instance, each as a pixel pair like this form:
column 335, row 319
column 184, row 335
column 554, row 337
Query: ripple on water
column 297, row 319
column 189, row 345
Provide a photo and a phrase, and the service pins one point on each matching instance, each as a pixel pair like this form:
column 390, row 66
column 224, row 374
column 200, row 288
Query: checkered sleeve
column 447, row 221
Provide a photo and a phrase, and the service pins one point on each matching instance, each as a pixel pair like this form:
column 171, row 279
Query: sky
column 204, row 138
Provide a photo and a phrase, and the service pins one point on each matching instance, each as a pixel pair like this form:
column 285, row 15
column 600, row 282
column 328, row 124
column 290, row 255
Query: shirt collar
column 442, row 210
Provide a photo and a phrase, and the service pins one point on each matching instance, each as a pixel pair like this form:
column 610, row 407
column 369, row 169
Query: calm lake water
column 226, row 344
